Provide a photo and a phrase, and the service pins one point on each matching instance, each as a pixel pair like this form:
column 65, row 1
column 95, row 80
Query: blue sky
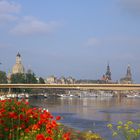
column 71, row 38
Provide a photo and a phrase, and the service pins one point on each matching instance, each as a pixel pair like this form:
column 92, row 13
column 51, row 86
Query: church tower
column 18, row 67
column 128, row 77
column 18, row 58
column 128, row 73
column 108, row 73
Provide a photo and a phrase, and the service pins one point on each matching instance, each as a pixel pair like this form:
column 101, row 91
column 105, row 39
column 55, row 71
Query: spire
column 108, row 72
column 128, row 73
column 18, row 58
column 18, row 54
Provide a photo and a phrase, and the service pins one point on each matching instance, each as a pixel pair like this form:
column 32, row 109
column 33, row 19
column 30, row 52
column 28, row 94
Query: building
column 51, row 80
column 18, row 67
column 62, row 80
column 108, row 73
column 106, row 78
column 128, row 77
column 70, row 80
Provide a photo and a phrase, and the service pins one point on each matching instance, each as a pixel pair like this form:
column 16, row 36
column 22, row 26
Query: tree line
column 27, row 78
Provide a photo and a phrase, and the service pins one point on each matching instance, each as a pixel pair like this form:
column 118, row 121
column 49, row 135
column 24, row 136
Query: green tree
column 41, row 80
column 30, row 78
column 3, row 77
column 18, row 78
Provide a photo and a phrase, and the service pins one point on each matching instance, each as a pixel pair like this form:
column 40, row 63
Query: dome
column 18, row 68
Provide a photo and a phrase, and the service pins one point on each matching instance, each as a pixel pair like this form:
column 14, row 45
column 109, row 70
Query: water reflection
column 91, row 113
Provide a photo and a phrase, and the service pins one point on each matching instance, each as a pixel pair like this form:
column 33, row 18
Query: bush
column 126, row 131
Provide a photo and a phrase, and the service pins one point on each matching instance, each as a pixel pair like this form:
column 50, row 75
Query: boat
column 133, row 95
column 66, row 95
column 3, row 97
column 45, row 95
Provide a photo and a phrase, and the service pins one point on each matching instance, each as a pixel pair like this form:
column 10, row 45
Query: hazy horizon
column 71, row 38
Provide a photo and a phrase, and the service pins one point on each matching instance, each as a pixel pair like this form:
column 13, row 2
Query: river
column 91, row 113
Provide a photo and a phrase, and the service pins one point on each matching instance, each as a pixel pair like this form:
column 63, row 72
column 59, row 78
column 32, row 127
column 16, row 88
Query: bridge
column 116, row 87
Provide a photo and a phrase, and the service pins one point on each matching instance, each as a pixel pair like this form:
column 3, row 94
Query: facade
column 128, row 78
column 51, row 80
column 18, row 67
column 70, row 80
column 106, row 78
column 108, row 73
column 62, row 80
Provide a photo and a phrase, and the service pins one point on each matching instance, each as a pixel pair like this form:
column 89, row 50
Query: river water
column 92, row 113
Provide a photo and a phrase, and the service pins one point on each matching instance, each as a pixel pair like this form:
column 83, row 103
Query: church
column 18, row 67
column 128, row 77
column 106, row 78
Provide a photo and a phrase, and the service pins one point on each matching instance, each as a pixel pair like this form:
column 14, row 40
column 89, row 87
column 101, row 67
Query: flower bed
column 18, row 121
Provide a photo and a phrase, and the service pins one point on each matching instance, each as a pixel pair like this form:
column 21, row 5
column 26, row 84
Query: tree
column 18, row 78
column 3, row 77
column 30, row 78
column 41, row 80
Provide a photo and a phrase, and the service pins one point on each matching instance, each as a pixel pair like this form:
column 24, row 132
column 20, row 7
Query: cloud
column 30, row 25
column 132, row 6
column 5, row 18
column 8, row 11
column 9, row 7
column 23, row 25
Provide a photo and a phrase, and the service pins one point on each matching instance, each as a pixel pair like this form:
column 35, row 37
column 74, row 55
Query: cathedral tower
column 108, row 73
column 128, row 73
column 128, row 77
column 18, row 67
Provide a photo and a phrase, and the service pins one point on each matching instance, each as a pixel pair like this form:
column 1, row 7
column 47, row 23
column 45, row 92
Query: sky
column 75, row 38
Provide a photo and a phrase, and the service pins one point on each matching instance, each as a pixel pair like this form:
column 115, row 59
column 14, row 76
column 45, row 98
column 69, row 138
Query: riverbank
column 81, row 135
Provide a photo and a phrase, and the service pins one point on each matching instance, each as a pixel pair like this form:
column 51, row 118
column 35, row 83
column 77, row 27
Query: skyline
column 73, row 38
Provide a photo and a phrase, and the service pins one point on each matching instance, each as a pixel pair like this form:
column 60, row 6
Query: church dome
column 18, row 67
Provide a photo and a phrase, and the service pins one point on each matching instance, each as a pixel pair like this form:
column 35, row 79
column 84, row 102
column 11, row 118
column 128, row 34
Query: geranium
column 40, row 137
column 18, row 121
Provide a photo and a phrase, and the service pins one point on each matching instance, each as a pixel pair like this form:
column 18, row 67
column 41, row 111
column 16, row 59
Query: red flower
column 58, row 118
column 48, row 138
column 35, row 127
column 22, row 126
column 21, row 117
column 6, row 129
column 13, row 115
column 27, row 130
column 66, row 136
column 49, row 131
column 40, row 137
